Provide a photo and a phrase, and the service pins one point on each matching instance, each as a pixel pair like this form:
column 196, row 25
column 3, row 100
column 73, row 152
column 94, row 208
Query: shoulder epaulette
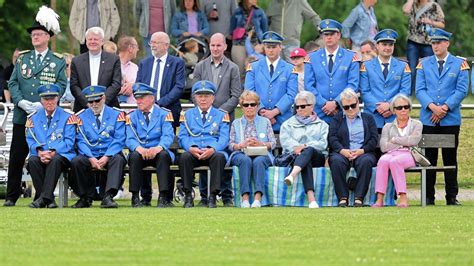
column 249, row 67
column 169, row 117
column 30, row 115
column 29, row 123
column 465, row 65
column 226, row 118
column 294, row 70
column 407, row 68
column 182, row 117
column 127, row 119
column 460, row 57
column 23, row 52
column 78, row 121
column 58, row 55
column 419, row 66
column 72, row 120
column 80, row 112
column 121, row 117
column 362, row 68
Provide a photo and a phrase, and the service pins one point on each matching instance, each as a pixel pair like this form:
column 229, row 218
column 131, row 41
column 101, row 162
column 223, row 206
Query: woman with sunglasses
column 251, row 130
column 396, row 140
column 352, row 139
column 305, row 134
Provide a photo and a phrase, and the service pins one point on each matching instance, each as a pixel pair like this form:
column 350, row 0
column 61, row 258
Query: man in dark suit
column 95, row 68
column 352, row 138
column 166, row 74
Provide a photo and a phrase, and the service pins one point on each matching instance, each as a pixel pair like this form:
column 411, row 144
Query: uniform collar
column 389, row 61
column 275, row 63
column 445, row 59
column 43, row 54
column 52, row 115
column 208, row 111
column 334, row 53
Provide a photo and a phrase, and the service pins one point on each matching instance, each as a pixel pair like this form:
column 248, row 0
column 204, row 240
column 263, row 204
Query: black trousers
column 216, row 162
column 340, row 165
column 18, row 152
column 226, row 186
column 450, row 157
column 309, row 158
column 162, row 162
column 45, row 176
column 84, row 179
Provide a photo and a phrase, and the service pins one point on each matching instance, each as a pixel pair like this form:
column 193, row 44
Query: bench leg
column 66, row 192
column 209, row 182
column 63, row 191
column 423, row 188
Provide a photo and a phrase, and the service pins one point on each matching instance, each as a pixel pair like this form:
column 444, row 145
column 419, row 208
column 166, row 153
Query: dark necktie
column 440, row 67
column 272, row 69
column 331, row 63
column 385, row 70
column 49, row 120
column 204, row 117
column 157, row 74
column 97, row 120
column 38, row 59
column 147, row 118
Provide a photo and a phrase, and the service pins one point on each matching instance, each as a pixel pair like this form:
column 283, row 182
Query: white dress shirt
column 160, row 78
column 94, row 66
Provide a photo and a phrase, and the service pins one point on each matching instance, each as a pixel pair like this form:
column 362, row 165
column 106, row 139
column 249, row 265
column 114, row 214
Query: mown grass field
column 230, row 236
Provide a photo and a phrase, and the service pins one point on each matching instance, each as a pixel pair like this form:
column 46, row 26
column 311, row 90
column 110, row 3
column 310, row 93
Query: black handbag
column 285, row 159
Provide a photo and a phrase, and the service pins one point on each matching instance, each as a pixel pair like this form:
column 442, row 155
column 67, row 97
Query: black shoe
column 108, row 202
column 52, row 205
column 146, row 202
column 203, row 203
column 39, row 203
column 453, row 202
column 9, row 203
column 82, row 203
column 188, row 201
column 430, row 202
column 212, row 201
column 228, row 203
column 342, row 203
column 136, row 202
column 358, row 203
column 169, row 204
column 162, row 202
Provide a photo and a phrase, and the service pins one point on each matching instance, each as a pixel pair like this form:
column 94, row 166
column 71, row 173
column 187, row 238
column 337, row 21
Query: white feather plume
column 48, row 19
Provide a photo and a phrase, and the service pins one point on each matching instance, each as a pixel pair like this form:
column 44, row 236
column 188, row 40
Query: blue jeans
column 416, row 51
column 251, row 168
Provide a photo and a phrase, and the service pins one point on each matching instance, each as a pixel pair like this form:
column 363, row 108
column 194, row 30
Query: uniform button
column 330, row 91
column 34, row 77
column 385, row 92
column 270, row 101
column 32, row 85
column 330, row 85
column 330, row 99
column 439, row 97
column 270, row 86
column 31, row 93
column 385, row 86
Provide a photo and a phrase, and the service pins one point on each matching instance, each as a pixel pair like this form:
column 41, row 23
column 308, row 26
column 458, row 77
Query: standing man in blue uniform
column 273, row 80
column 32, row 69
column 149, row 136
column 100, row 140
column 50, row 133
column 442, row 82
column 383, row 77
column 330, row 70
column 204, row 135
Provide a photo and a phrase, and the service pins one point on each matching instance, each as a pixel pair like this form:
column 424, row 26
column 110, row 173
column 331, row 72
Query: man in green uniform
column 33, row 68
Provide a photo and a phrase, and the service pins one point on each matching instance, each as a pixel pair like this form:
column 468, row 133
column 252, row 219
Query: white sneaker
column 313, row 205
column 289, row 180
column 256, row 204
column 119, row 195
column 245, row 204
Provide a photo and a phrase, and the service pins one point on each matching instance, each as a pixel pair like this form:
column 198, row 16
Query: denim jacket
column 179, row 24
column 259, row 20
column 357, row 25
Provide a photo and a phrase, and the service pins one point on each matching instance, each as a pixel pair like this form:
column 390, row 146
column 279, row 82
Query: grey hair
column 398, row 97
column 161, row 34
column 348, row 94
column 306, row 96
column 96, row 30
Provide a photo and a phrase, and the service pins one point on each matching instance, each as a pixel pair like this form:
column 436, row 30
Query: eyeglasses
column 303, row 106
column 94, row 101
column 249, row 104
column 398, row 108
column 38, row 34
column 351, row 106
column 153, row 42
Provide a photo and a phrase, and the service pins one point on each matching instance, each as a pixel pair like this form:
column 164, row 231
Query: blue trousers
column 251, row 168
column 415, row 51
column 309, row 158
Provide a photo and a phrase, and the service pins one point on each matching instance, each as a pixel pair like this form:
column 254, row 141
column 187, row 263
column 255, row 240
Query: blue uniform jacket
column 328, row 86
column 375, row 88
column 159, row 131
column 449, row 88
column 213, row 134
column 59, row 136
column 278, row 91
column 108, row 139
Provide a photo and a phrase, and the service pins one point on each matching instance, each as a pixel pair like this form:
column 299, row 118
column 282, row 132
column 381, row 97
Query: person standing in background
column 297, row 58
column 361, row 24
column 127, row 49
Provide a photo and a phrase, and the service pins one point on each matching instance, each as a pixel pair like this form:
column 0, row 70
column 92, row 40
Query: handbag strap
column 422, row 10
column 249, row 18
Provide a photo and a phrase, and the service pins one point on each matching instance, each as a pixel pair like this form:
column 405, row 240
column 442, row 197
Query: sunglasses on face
column 303, row 106
column 351, row 106
column 94, row 101
column 249, row 104
column 398, row 108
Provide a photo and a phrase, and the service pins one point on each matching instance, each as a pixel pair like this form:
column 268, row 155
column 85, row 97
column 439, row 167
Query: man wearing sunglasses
column 273, row 80
column 100, row 140
column 382, row 78
column 441, row 84
column 330, row 71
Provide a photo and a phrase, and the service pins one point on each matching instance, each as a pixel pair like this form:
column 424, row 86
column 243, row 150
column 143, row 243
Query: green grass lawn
column 281, row 236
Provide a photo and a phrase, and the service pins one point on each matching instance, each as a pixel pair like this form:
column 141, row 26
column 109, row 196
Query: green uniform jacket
column 27, row 77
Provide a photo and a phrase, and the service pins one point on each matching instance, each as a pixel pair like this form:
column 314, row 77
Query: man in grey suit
column 95, row 67
column 225, row 74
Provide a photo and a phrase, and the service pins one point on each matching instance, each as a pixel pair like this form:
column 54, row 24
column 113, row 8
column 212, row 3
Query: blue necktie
column 440, row 68
column 147, row 118
column 385, row 70
column 157, row 74
column 204, row 117
column 271, row 70
column 331, row 63
column 97, row 120
column 49, row 120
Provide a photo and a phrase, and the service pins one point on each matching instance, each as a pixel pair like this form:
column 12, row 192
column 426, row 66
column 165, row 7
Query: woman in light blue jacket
column 305, row 134
column 191, row 22
column 251, row 130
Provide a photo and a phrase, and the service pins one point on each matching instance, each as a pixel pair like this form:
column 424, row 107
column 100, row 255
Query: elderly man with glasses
column 100, row 140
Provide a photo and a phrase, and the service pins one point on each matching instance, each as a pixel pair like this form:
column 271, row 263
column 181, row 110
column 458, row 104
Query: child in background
column 110, row 47
column 297, row 58
column 190, row 56
column 254, row 51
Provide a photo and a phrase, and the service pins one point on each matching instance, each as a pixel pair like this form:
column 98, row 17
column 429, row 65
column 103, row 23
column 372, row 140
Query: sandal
column 342, row 203
column 358, row 203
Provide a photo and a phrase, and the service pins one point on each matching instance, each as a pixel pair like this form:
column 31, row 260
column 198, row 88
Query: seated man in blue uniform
column 204, row 135
column 149, row 136
column 50, row 134
column 100, row 140
column 331, row 70
column 442, row 82
column 273, row 80
column 383, row 77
